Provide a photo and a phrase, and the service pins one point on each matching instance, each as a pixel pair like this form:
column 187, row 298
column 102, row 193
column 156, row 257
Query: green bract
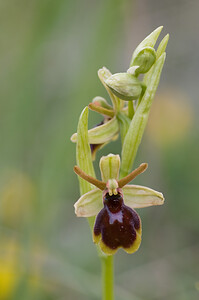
column 83, row 151
column 138, row 123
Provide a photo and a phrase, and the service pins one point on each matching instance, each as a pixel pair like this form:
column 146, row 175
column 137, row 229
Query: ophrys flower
column 117, row 223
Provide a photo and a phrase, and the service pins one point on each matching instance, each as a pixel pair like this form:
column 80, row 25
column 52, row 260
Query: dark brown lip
column 117, row 223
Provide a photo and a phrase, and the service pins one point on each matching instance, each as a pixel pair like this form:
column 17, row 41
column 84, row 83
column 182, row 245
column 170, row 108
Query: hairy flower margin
column 113, row 202
column 117, row 224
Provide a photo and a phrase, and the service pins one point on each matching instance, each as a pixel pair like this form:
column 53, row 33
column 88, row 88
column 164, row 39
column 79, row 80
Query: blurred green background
column 50, row 52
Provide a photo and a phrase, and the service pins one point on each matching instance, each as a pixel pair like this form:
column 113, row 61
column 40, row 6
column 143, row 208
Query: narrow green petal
column 89, row 204
column 109, row 167
column 101, row 134
column 83, row 151
column 149, row 41
column 139, row 121
column 136, row 196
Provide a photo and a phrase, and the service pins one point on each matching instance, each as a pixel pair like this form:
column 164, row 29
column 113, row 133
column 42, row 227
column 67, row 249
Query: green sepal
column 138, row 123
column 109, row 167
column 89, row 204
column 101, row 134
column 136, row 196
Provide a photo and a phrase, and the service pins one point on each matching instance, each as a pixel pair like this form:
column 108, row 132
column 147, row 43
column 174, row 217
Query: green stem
column 130, row 110
column 107, row 277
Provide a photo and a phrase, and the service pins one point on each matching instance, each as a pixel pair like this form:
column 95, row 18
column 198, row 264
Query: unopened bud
column 144, row 59
column 125, row 86
column 100, row 101
column 149, row 41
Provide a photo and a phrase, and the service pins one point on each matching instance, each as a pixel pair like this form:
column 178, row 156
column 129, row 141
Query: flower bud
column 103, row 74
column 149, row 41
column 100, row 101
column 125, row 86
column 144, row 59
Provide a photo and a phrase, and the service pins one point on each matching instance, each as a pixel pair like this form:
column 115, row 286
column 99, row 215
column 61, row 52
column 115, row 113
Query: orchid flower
column 108, row 129
column 113, row 201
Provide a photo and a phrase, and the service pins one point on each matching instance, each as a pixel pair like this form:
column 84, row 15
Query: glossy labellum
column 117, row 225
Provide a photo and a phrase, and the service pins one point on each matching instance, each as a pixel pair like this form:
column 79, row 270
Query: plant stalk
column 107, row 277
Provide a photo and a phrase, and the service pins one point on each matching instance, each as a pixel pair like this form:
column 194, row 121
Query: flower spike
column 111, row 204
